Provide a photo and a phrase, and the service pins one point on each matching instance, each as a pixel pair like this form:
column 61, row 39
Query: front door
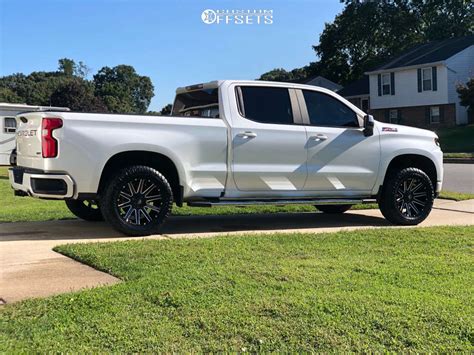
column 268, row 148
column 341, row 160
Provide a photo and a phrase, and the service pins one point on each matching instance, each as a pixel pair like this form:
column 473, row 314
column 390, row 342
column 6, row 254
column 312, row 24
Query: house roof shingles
column 431, row 52
column 356, row 88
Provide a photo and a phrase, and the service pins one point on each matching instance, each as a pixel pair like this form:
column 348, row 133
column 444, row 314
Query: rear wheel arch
column 158, row 161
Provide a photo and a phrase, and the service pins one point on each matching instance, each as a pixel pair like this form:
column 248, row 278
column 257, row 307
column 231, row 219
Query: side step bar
column 327, row 201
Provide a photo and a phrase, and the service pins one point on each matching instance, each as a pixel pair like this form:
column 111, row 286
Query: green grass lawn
column 457, row 139
column 20, row 209
column 371, row 290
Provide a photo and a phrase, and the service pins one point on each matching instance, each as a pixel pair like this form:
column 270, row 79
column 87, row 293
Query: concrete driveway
column 29, row 267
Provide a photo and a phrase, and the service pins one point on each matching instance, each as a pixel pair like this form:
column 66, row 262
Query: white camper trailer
column 8, row 126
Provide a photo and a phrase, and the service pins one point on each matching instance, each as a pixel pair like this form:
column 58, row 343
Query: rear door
column 268, row 144
column 341, row 160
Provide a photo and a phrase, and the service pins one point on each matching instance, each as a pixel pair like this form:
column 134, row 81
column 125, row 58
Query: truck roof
column 216, row 83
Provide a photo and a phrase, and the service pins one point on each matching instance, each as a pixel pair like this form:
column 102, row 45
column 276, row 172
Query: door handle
column 247, row 135
column 319, row 137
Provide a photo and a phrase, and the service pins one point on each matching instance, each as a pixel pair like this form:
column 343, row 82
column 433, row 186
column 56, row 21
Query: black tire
column 137, row 201
column 407, row 197
column 88, row 210
column 333, row 209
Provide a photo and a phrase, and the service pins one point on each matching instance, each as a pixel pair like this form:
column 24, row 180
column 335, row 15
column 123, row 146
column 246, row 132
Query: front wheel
column 333, row 209
column 88, row 210
column 137, row 201
column 407, row 197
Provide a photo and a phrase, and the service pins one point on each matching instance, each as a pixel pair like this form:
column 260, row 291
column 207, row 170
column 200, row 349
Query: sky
column 165, row 40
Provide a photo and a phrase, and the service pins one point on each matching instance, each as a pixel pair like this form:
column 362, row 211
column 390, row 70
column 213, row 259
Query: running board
column 328, row 201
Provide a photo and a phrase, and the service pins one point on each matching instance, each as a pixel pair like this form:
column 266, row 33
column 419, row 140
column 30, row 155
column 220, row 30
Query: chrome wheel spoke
column 153, row 208
column 148, row 189
column 413, row 207
column 128, row 214
column 145, row 214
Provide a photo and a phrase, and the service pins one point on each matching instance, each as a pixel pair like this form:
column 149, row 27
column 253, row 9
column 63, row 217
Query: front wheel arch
column 418, row 161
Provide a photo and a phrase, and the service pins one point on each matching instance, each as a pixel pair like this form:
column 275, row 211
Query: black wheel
column 407, row 197
column 137, row 201
column 333, row 209
column 88, row 210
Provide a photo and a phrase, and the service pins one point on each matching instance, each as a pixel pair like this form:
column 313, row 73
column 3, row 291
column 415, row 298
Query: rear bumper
column 41, row 184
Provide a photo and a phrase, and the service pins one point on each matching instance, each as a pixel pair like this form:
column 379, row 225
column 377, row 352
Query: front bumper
column 41, row 184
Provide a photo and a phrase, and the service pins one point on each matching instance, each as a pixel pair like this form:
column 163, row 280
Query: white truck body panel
column 230, row 157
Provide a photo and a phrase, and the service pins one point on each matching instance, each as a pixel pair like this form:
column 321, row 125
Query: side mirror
column 369, row 123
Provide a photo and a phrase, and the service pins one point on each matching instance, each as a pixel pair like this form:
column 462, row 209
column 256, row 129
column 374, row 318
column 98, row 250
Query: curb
column 458, row 160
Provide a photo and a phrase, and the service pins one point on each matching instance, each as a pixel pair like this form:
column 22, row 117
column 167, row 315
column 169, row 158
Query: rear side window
column 199, row 103
column 265, row 104
column 325, row 110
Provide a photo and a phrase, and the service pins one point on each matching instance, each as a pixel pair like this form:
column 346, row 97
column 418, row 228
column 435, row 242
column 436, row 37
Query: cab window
column 325, row 110
column 265, row 104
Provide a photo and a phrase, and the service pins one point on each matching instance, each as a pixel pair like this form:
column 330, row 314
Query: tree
column 67, row 66
column 466, row 94
column 166, row 110
column 7, row 95
column 70, row 68
column 278, row 74
column 123, row 90
column 78, row 95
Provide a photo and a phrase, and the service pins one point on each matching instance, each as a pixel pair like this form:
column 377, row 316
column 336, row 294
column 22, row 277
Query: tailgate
column 29, row 138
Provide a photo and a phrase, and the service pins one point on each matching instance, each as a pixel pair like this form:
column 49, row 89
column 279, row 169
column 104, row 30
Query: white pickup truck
column 227, row 142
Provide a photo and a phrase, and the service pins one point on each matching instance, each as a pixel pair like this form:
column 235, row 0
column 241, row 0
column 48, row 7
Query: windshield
column 199, row 103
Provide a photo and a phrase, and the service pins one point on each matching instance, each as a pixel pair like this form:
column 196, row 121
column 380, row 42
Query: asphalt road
column 459, row 178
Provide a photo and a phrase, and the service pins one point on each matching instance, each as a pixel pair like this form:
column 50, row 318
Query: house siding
column 416, row 116
column 406, row 90
column 460, row 68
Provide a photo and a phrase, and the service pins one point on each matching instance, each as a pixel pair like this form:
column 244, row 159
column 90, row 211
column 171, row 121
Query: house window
column 365, row 105
column 393, row 116
column 385, row 84
column 434, row 114
column 427, row 79
column 9, row 125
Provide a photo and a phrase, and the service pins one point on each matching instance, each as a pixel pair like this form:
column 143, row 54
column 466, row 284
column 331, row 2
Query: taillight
column 49, row 144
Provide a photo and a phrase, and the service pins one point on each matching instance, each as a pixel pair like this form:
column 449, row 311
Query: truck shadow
column 177, row 225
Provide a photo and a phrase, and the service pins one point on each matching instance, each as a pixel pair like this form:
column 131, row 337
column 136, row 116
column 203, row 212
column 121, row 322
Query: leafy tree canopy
column 466, row 94
column 77, row 94
column 119, row 89
column 123, row 90
column 166, row 110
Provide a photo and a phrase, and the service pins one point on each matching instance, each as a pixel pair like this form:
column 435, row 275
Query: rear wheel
column 407, row 197
column 137, row 201
column 333, row 209
column 88, row 210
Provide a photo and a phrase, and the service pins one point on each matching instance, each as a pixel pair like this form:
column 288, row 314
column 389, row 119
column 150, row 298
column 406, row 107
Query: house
column 8, row 126
column 319, row 81
column 358, row 93
column 418, row 88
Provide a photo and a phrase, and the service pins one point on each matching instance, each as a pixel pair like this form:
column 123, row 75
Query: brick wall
column 417, row 116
